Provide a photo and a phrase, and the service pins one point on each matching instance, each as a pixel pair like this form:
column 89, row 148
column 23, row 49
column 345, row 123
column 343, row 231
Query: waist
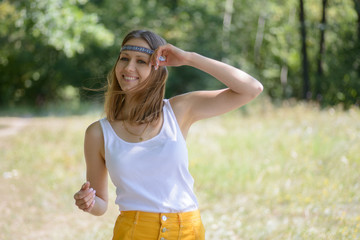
column 180, row 217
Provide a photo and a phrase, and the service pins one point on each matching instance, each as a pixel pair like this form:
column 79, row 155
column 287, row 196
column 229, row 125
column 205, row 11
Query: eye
column 141, row 62
column 124, row 59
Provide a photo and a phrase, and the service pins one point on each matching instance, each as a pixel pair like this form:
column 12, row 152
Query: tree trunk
column 259, row 39
column 320, row 71
column 357, row 9
column 229, row 8
column 322, row 39
column 306, row 90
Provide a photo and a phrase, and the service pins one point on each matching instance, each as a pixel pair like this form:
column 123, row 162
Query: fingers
column 86, row 200
column 81, row 193
column 85, row 197
column 85, row 185
column 90, row 205
column 154, row 61
column 168, row 55
column 159, row 57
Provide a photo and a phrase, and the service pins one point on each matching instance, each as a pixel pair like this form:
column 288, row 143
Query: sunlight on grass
column 264, row 172
column 279, row 173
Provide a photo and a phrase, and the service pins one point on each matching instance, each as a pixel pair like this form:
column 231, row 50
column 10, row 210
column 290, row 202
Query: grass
column 265, row 172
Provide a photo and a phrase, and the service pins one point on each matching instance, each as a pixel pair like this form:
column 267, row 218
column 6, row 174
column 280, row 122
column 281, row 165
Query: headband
column 137, row 49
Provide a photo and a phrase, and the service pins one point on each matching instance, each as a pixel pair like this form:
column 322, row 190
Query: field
column 262, row 172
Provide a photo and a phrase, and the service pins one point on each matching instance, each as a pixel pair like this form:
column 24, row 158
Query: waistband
column 161, row 217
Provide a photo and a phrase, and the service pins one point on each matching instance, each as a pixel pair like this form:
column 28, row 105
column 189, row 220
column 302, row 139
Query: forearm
column 237, row 80
column 99, row 208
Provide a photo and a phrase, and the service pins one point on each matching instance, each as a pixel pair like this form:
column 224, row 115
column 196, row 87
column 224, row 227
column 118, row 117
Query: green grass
column 289, row 172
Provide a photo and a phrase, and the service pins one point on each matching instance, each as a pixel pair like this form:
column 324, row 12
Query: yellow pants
column 137, row 225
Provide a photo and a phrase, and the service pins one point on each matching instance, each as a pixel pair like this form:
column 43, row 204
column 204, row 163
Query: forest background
column 51, row 51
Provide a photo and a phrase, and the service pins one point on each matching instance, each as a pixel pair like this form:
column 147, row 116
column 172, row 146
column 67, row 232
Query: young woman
column 141, row 142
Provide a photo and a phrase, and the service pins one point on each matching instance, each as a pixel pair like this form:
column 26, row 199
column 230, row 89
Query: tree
column 39, row 42
column 305, row 64
column 357, row 9
column 320, row 71
column 47, row 46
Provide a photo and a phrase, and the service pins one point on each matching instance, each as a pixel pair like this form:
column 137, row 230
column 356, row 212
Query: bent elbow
column 258, row 88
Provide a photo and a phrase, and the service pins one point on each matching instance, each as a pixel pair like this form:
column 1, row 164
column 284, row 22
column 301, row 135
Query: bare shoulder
column 94, row 130
column 94, row 139
column 178, row 102
column 197, row 105
column 180, row 105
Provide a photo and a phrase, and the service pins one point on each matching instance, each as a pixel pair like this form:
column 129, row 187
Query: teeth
column 130, row 78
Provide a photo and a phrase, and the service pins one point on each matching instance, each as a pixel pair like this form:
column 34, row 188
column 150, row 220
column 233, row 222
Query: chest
column 145, row 160
column 137, row 133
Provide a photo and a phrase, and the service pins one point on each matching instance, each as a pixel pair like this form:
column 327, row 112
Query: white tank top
column 152, row 175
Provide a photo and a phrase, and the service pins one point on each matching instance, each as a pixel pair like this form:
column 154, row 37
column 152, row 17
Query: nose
column 130, row 66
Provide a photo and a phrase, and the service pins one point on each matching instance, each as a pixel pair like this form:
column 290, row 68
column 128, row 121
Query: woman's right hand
column 85, row 197
column 173, row 56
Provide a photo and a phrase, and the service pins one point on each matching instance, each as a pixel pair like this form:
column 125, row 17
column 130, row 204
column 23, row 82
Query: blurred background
column 284, row 166
column 51, row 50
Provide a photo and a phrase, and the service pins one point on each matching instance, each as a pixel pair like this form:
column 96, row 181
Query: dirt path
column 12, row 125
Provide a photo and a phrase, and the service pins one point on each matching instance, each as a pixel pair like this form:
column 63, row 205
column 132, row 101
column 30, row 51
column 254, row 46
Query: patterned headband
column 137, row 49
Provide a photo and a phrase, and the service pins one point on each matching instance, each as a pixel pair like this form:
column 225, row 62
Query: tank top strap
column 172, row 121
column 107, row 130
column 169, row 111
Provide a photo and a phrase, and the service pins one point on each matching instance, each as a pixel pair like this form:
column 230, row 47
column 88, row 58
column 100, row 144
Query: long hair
column 146, row 102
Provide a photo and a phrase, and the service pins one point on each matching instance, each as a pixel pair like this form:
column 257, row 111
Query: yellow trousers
column 137, row 225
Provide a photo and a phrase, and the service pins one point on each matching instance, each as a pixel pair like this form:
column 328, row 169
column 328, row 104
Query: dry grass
column 260, row 173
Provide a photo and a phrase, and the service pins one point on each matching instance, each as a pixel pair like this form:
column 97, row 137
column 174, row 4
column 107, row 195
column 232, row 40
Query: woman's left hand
column 172, row 56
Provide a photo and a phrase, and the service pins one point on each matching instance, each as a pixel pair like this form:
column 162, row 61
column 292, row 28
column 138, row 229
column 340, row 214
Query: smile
column 130, row 78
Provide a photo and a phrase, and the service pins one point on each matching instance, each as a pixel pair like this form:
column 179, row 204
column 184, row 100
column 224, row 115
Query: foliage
column 49, row 45
column 38, row 47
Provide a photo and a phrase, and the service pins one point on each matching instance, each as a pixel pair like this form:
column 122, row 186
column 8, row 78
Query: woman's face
column 133, row 67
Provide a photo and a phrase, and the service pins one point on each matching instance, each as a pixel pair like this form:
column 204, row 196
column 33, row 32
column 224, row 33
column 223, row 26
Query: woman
column 141, row 142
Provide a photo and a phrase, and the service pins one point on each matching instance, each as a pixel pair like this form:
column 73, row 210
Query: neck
column 126, row 106
column 136, row 103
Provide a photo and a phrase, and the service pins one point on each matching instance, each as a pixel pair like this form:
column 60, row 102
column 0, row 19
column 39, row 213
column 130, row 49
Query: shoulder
column 197, row 105
column 181, row 106
column 195, row 102
column 94, row 131
column 179, row 103
column 183, row 100
column 94, row 140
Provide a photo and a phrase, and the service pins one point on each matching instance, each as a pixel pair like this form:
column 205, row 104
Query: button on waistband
column 164, row 218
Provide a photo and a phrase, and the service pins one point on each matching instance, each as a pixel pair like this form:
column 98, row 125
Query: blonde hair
column 147, row 98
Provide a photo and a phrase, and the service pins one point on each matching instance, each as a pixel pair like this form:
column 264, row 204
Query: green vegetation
column 264, row 172
column 50, row 50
